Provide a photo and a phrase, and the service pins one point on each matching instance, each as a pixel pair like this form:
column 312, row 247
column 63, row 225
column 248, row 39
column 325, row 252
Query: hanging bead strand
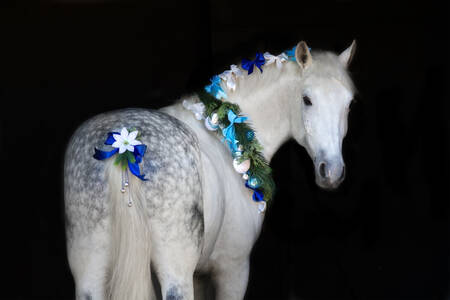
column 123, row 182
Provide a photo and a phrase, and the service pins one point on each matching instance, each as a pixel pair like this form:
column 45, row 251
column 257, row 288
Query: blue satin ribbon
column 138, row 153
column 249, row 64
column 291, row 53
column 101, row 155
column 258, row 196
column 229, row 132
column 215, row 89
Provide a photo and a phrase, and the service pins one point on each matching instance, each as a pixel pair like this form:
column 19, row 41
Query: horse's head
column 326, row 94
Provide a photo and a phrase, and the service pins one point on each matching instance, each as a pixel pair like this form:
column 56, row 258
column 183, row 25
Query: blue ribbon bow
column 249, row 64
column 291, row 53
column 215, row 89
column 138, row 153
column 229, row 132
column 258, row 196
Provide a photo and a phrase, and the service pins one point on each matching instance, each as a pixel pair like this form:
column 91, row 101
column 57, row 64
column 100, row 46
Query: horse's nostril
column 322, row 170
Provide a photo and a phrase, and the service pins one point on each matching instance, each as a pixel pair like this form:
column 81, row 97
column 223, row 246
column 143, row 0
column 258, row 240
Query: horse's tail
column 130, row 240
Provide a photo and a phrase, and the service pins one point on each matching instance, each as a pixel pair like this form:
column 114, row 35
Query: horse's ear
column 346, row 56
column 302, row 55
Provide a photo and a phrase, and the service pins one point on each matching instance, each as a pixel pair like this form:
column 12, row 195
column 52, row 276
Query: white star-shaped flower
column 280, row 59
column 230, row 76
column 125, row 141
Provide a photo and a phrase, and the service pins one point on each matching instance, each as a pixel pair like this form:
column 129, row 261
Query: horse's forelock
column 327, row 64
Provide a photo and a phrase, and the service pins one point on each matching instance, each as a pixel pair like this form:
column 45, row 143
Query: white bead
column 241, row 167
column 198, row 116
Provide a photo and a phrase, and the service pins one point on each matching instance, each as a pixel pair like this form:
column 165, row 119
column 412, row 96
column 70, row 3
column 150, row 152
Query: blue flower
column 250, row 135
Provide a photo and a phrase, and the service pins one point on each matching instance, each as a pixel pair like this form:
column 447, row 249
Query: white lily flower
column 125, row 141
column 279, row 60
column 230, row 76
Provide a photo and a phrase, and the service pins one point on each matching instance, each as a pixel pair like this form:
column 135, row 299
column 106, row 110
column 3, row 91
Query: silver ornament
column 237, row 154
column 242, row 167
column 215, row 119
column 253, row 182
column 209, row 125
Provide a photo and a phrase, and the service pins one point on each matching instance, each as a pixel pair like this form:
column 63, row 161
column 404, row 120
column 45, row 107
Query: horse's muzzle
column 329, row 174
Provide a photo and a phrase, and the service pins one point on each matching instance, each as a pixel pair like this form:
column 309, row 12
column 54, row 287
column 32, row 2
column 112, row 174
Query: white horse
column 194, row 214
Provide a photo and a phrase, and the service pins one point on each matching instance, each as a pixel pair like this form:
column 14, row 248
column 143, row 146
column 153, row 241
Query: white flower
column 270, row 59
column 125, row 141
column 230, row 76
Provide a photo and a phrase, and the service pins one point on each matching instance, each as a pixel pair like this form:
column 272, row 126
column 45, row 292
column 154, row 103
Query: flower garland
column 238, row 135
column 244, row 147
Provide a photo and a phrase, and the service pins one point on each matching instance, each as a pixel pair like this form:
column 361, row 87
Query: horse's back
column 171, row 165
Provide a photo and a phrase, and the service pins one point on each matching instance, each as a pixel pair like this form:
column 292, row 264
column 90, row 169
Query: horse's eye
column 307, row 100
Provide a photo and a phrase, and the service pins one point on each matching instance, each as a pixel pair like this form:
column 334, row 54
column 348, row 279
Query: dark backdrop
column 384, row 234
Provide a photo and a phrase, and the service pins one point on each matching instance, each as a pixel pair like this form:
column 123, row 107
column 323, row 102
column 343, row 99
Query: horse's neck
column 268, row 99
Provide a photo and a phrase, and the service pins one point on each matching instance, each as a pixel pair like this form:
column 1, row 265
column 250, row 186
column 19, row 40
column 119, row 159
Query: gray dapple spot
column 174, row 293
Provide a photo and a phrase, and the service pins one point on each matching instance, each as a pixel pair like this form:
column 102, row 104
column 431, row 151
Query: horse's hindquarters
column 100, row 225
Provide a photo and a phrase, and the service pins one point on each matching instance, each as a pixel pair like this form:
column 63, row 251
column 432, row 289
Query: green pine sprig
column 252, row 149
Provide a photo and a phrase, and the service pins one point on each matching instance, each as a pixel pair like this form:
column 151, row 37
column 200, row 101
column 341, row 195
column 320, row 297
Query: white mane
column 249, row 84
column 326, row 64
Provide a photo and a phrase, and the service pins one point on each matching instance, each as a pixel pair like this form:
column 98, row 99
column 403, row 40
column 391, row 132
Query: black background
column 384, row 234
